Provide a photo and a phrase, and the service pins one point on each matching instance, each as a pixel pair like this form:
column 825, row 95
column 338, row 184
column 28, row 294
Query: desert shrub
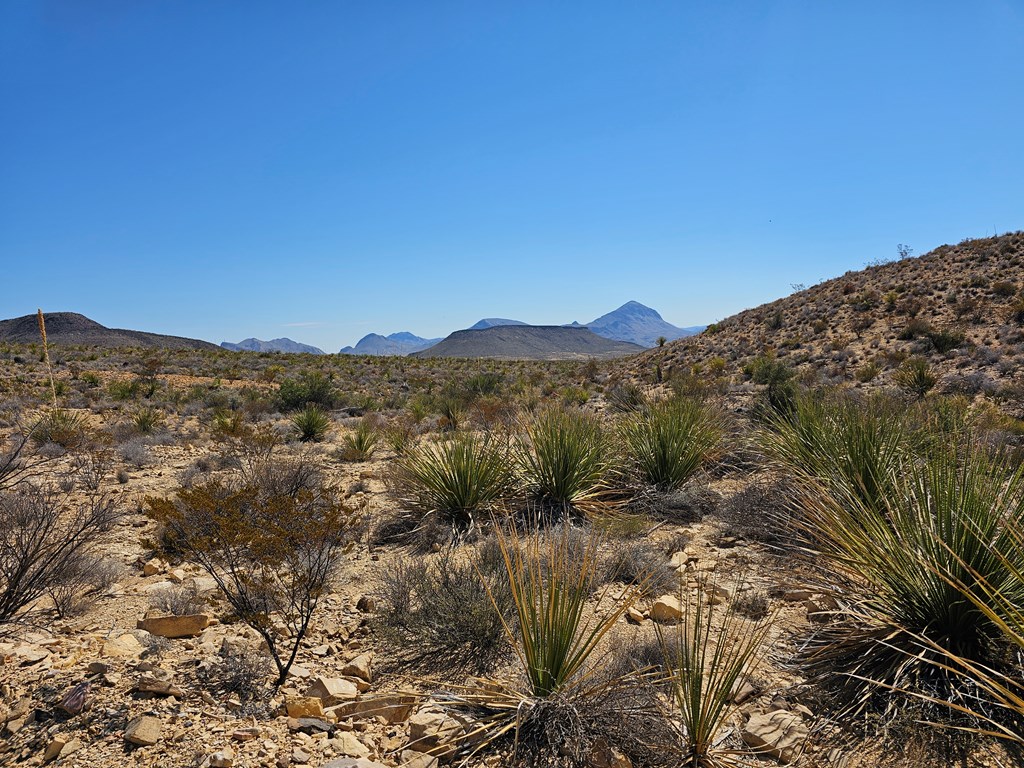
column 868, row 372
column 63, row 427
column 1004, row 288
column 778, row 379
column 640, row 564
column 1015, row 312
column 148, row 420
column 84, row 577
column 441, row 616
column 311, row 424
column 241, row 675
column 625, row 398
column 360, row 444
column 45, row 538
column 945, row 339
column 552, row 713
column 177, row 600
column 899, row 568
column 567, row 461
column 273, row 555
column 455, row 481
column 135, row 452
column 309, row 388
column 713, row 652
column 670, row 441
column 850, row 446
column 915, row 328
column 915, row 376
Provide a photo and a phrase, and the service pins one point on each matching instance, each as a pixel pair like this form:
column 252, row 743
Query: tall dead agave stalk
column 46, row 354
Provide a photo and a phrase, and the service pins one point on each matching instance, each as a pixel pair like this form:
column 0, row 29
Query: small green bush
column 311, row 424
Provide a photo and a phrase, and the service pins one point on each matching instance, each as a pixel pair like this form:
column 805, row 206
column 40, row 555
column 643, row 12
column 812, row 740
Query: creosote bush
column 273, row 544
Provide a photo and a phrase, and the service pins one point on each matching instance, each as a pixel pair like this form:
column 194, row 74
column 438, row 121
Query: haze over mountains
column 274, row 345
column 530, row 342
column 632, row 322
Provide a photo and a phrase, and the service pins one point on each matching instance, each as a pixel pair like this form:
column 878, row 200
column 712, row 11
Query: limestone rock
column 160, row 682
column 143, row 731
column 412, row 759
column 353, row 762
column 603, row 755
column 634, row 616
column 666, row 610
column 304, row 706
column 224, row 758
column 393, row 707
column 348, row 745
column 435, row 732
column 333, row 690
column 175, row 626
column 360, row 667
column 780, row 734
column 153, row 567
column 125, row 646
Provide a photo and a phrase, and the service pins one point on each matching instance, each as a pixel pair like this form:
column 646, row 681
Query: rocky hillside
column 959, row 308
column 73, row 328
column 530, row 342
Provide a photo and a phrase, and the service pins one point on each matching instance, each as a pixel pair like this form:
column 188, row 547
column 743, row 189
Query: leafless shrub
column 44, row 538
column 177, row 601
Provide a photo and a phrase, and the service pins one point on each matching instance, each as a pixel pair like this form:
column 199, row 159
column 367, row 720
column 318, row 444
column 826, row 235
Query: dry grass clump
column 445, row 616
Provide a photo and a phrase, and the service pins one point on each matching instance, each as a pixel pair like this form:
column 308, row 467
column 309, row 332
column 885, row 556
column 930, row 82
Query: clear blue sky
column 320, row 170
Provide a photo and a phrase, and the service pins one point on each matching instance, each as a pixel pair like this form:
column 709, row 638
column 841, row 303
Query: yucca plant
column 923, row 562
column 147, row 420
column 848, row 446
column 567, row 461
column 709, row 654
column 360, row 444
column 311, row 424
column 61, row 426
column 455, row 479
column 551, row 713
column 670, row 440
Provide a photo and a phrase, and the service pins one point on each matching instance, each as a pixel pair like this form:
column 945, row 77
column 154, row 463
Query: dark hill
column 73, row 328
column 530, row 342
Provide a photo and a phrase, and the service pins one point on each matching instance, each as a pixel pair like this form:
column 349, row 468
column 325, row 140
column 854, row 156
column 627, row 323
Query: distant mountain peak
column 491, row 322
column 636, row 323
column 274, row 345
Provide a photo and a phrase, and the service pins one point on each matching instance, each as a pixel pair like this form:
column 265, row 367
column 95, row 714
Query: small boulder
column 304, row 706
column 175, row 626
column 224, row 758
column 780, row 734
column 666, row 610
column 333, row 690
column 360, row 667
column 124, row 646
column 143, row 731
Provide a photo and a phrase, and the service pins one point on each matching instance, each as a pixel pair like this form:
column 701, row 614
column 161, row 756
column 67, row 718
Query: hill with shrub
column 951, row 320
